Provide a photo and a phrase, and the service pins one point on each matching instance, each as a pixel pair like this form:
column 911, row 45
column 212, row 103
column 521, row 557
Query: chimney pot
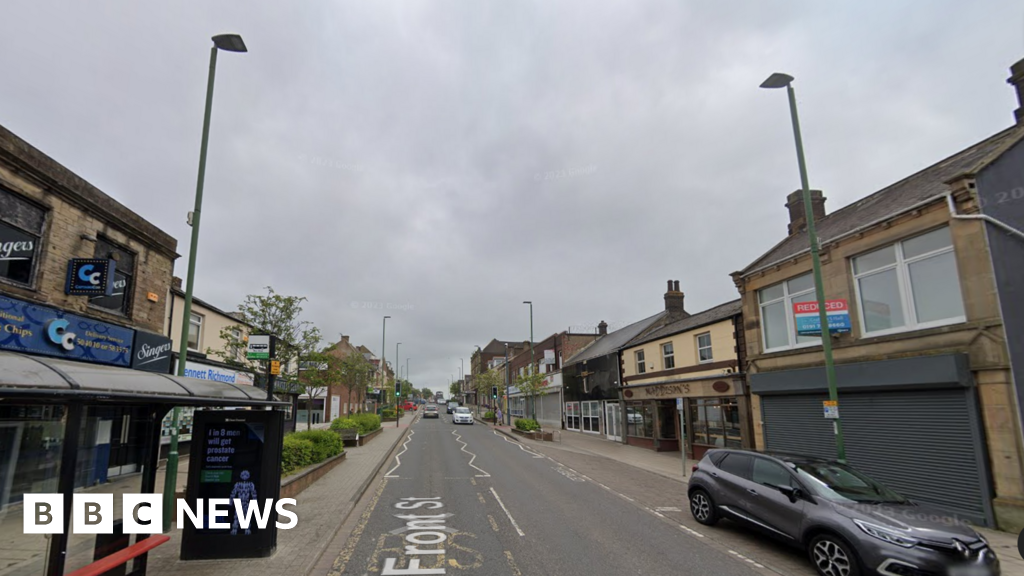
column 675, row 285
column 1016, row 79
column 797, row 214
column 669, row 286
column 602, row 328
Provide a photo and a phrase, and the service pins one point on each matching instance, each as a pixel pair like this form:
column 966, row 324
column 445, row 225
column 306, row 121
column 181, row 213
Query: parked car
column 452, row 406
column 409, row 406
column 462, row 415
column 848, row 523
column 430, row 411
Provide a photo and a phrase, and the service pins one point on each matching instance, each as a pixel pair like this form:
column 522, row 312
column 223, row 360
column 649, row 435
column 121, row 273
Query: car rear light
column 694, row 469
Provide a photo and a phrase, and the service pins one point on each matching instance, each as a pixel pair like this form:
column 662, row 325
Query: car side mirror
column 790, row 492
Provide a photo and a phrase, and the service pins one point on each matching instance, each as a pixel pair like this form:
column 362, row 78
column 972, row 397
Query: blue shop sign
column 34, row 329
column 90, row 277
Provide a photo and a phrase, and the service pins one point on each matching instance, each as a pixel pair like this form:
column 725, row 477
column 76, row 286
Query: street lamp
column 531, row 333
column 397, row 370
column 383, row 360
column 780, row 80
column 229, row 43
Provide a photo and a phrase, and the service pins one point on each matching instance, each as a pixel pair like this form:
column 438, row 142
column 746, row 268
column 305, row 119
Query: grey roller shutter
column 927, row 445
column 796, row 424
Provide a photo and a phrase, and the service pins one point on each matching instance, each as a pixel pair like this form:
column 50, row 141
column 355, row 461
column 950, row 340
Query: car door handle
column 752, row 491
column 715, row 474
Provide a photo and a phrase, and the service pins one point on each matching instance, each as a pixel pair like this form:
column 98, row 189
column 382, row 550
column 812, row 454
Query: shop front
column 714, row 414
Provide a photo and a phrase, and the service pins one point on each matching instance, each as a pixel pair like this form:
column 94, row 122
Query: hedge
column 344, row 424
column 488, row 415
column 527, row 424
column 310, row 447
column 366, row 422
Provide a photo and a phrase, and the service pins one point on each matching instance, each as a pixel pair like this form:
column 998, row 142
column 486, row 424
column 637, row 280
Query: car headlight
column 889, row 535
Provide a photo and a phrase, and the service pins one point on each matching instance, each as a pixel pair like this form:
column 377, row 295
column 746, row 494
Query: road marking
column 668, row 509
column 568, row 474
column 481, row 498
column 405, row 446
column 494, row 523
column 744, row 558
column 512, row 564
column 458, row 438
column 472, row 481
column 510, row 519
column 521, row 447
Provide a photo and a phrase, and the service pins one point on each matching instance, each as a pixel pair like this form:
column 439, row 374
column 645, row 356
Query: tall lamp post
column 228, row 43
column 779, row 80
column 533, row 410
column 383, row 361
column 508, row 401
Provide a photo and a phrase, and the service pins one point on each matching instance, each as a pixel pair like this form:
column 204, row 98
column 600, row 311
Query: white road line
column 458, row 438
column 506, row 439
column 742, row 557
column 510, row 518
column 398, row 459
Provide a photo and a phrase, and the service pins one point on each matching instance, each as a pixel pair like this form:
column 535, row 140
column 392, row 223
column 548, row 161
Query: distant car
column 430, row 411
column 462, row 415
column 847, row 523
column 409, row 406
column 452, row 406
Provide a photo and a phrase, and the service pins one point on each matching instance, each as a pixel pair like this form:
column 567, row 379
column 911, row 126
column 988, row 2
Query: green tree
column 356, row 376
column 484, row 382
column 530, row 384
column 453, row 389
column 278, row 315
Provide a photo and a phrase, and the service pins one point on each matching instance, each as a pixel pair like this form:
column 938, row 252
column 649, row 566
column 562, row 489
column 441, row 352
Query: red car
column 409, row 406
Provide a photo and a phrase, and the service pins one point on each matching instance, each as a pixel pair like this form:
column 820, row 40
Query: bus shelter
column 68, row 427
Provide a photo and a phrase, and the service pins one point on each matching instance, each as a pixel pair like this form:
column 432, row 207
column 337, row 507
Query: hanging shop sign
column 152, row 352
column 90, row 277
column 34, row 329
column 808, row 321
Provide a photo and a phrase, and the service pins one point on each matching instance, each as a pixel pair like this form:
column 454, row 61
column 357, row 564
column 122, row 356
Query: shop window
column 668, row 356
column 21, row 228
column 640, row 366
column 778, row 328
column 591, row 412
column 639, row 420
column 31, row 439
column 909, row 285
column 572, row 416
column 195, row 329
column 716, row 422
column 121, row 299
column 704, row 348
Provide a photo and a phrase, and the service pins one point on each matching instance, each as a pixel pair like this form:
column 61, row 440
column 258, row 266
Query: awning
column 24, row 376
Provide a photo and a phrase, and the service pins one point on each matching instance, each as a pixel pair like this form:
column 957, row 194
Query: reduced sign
column 808, row 320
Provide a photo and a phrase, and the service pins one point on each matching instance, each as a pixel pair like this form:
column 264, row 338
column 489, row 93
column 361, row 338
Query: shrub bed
column 366, row 422
column 306, row 448
column 527, row 424
column 489, row 415
column 344, row 424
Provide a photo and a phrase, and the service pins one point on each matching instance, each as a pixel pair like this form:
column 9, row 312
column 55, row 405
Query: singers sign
column 808, row 320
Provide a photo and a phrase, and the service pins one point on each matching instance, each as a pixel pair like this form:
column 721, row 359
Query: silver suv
column 849, row 524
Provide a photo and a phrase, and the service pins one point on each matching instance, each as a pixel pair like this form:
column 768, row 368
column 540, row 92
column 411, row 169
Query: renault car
column 848, row 523
column 462, row 415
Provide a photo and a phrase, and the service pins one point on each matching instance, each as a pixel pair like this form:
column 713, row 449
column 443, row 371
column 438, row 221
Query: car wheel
column 703, row 507
column 832, row 556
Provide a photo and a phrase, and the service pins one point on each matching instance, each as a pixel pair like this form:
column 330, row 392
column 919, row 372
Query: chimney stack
column 344, row 339
column 797, row 214
column 1017, row 80
column 176, row 283
column 602, row 328
column 674, row 302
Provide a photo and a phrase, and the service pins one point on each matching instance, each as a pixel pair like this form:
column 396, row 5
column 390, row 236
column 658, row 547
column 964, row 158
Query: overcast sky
column 454, row 158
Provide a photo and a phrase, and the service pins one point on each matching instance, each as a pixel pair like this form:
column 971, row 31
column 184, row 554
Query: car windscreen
column 842, row 483
column 462, row 410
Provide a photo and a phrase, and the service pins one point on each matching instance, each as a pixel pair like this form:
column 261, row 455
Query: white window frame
column 902, row 267
column 237, row 334
column 199, row 331
column 665, row 357
column 709, row 348
column 641, row 361
column 787, row 300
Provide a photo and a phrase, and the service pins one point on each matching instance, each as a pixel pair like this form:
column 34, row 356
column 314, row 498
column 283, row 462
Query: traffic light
column 494, row 392
column 398, row 389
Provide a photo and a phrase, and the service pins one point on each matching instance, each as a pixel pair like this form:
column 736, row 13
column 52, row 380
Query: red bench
column 107, row 563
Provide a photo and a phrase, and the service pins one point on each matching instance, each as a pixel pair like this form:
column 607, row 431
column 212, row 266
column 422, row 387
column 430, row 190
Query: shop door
column 591, row 416
column 613, row 421
column 125, row 445
column 927, row 445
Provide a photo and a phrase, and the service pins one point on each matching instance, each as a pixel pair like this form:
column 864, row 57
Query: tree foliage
column 275, row 314
column 318, row 372
column 530, row 385
column 484, row 382
column 356, row 375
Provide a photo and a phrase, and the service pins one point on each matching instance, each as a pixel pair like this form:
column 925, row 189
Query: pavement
column 466, row 498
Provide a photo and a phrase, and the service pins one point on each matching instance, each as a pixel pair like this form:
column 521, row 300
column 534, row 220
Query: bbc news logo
column 143, row 514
